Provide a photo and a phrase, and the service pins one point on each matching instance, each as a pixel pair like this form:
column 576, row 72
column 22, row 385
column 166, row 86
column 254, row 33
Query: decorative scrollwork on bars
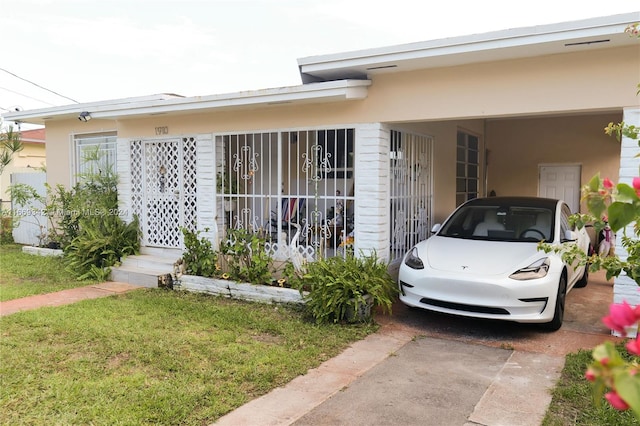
column 316, row 163
column 245, row 163
column 245, row 219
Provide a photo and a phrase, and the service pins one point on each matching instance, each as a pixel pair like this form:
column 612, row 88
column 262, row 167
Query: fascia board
column 509, row 40
column 316, row 92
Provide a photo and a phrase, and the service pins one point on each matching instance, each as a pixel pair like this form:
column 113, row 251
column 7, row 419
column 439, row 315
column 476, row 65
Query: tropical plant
column 246, row 258
column 103, row 240
column 198, row 256
column 10, row 144
column 333, row 288
column 226, row 183
column 85, row 220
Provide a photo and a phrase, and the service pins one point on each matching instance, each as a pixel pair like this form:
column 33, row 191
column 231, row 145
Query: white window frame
column 466, row 163
column 106, row 144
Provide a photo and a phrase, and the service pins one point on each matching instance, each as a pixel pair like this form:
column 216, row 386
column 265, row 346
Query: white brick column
column 206, row 190
column 624, row 287
column 372, row 170
column 123, row 169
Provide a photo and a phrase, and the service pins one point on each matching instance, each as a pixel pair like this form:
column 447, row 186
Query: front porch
column 312, row 193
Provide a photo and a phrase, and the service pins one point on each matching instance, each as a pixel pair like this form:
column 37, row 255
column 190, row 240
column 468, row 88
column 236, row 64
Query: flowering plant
column 613, row 375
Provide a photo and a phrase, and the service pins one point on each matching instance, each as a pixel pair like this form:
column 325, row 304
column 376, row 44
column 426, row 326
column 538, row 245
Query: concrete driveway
column 425, row 368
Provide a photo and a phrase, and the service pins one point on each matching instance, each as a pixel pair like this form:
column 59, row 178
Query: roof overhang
column 562, row 38
column 333, row 91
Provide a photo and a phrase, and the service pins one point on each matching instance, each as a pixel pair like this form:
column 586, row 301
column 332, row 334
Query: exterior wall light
column 84, row 116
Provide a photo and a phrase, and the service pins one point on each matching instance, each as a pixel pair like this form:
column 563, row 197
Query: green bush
column 199, row 257
column 100, row 244
column 6, row 229
column 334, row 287
column 246, row 258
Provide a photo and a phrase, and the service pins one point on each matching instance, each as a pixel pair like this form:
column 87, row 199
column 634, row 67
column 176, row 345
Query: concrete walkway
column 420, row 368
column 64, row 297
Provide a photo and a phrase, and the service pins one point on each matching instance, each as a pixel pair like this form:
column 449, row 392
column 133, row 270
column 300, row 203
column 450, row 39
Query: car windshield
column 500, row 223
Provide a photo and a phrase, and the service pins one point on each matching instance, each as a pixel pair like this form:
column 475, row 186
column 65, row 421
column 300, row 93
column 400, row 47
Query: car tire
column 584, row 280
column 558, row 312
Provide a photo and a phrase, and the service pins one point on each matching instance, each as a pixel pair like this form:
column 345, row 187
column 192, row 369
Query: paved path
column 64, row 297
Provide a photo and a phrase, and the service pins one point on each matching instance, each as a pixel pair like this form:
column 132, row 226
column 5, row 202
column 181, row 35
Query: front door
column 561, row 182
column 168, row 190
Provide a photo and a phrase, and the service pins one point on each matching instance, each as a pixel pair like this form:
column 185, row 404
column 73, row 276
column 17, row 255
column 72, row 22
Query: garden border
column 236, row 290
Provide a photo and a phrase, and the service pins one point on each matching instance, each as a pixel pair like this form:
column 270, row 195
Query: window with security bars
column 467, row 167
column 296, row 187
column 94, row 154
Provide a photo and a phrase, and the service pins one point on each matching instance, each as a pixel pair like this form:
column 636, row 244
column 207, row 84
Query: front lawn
column 154, row 357
column 26, row 275
column 572, row 399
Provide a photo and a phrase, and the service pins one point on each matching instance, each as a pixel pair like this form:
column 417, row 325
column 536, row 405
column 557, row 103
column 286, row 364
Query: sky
column 60, row 52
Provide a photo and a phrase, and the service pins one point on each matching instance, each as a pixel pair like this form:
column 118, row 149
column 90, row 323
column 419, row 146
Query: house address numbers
column 162, row 130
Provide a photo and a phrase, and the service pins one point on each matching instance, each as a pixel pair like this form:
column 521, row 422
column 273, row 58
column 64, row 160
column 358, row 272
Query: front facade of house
column 376, row 146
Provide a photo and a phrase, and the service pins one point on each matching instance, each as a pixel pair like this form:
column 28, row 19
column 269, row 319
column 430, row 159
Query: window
column 467, row 167
column 338, row 147
column 94, row 154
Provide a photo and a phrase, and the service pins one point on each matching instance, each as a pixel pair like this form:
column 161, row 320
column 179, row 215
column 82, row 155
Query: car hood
column 478, row 257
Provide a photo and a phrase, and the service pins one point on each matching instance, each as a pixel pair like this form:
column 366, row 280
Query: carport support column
column 625, row 288
column 372, row 190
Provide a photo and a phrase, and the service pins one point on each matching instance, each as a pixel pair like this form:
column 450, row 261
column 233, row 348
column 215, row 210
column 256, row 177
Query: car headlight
column 537, row 269
column 412, row 260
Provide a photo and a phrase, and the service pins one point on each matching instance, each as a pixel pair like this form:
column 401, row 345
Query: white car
column 484, row 262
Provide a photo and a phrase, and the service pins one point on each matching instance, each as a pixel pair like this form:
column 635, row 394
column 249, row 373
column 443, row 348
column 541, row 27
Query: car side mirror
column 436, row 228
column 570, row 236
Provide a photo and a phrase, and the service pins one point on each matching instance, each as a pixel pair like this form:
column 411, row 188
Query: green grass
column 572, row 399
column 24, row 275
column 154, row 357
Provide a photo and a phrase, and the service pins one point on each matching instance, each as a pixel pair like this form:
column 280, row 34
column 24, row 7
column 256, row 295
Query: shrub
column 198, row 256
column 245, row 257
column 102, row 241
column 6, row 229
column 334, row 287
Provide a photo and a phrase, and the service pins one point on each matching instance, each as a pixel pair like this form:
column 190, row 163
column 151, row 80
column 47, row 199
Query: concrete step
column 148, row 261
column 161, row 252
column 145, row 277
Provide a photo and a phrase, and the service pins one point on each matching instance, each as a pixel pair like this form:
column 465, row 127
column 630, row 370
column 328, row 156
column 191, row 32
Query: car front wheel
column 558, row 313
column 584, row 280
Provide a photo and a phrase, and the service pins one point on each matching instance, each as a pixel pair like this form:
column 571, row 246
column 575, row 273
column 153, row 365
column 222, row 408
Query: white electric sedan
column 484, row 262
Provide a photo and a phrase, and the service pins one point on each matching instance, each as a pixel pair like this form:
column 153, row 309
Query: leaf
column 596, row 205
column 628, row 387
column 594, row 183
column 620, row 215
column 626, row 193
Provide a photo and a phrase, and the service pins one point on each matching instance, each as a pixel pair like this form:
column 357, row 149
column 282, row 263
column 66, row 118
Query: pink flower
column 607, row 183
column 636, row 185
column 621, row 316
column 615, row 401
column 633, row 347
column 590, row 375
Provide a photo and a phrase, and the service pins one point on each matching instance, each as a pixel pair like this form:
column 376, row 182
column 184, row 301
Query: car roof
column 549, row 203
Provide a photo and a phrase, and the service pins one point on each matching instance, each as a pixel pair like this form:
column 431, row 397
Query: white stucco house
column 379, row 144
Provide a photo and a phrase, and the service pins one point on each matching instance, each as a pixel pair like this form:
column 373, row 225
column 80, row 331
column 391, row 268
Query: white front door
column 164, row 189
column 561, row 182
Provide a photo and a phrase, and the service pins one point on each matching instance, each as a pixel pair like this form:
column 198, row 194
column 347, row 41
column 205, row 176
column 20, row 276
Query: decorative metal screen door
column 169, row 190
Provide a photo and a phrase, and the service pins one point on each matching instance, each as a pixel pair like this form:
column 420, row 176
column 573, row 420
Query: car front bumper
column 496, row 297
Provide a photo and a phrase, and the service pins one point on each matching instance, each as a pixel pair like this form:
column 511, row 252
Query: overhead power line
column 26, row 96
column 39, row 86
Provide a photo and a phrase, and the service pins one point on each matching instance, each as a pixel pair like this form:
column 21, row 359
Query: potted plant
column 346, row 288
column 227, row 184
